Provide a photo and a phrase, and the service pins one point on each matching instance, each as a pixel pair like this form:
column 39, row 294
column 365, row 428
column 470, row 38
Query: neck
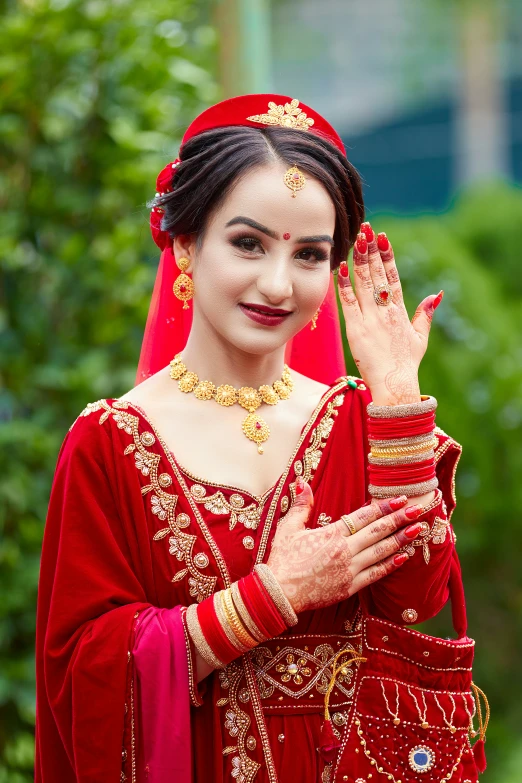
column 215, row 359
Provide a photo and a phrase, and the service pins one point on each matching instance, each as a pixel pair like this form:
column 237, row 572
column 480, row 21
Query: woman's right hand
column 319, row 567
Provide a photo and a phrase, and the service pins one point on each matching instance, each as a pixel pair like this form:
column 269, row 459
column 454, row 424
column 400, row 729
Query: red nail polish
column 383, row 243
column 413, row 530
column 343, row 269
column 299, row 485
column 396, row 503
column 367, row 230
column 400, row 559
column 438, row 300
column 362, row 244
column 413, row 511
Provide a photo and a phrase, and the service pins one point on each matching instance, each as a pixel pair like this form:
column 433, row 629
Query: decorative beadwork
column 409, row 615
column 421, row 758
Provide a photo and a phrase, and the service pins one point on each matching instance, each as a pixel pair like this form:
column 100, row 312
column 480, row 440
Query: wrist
column 235, row 620
column 408, row 393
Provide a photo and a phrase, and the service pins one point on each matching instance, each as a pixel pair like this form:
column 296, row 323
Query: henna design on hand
column 401, row 382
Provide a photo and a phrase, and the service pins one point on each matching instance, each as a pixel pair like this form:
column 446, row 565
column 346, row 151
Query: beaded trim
column 410, row 490
column 195, row 698
column 276, row 593
column 200, row 643
column 427, row 404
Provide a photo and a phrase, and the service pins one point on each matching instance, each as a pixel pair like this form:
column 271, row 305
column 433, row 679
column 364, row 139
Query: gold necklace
column 254, row 427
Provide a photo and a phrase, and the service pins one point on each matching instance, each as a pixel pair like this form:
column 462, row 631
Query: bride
column 217, row 535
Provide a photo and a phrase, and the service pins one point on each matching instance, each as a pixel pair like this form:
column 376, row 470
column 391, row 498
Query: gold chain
column 254, row 427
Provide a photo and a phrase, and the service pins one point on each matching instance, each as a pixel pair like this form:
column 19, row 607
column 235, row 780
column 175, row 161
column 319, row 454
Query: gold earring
column 314, row 318
column 183, row 286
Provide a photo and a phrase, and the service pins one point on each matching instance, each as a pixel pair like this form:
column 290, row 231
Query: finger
column 299, row 511
column 362, row 277
column 422, row 319
column 381, row 528
column 373, row 511
column 388, row 546
column 349, row 303
column 390, row 267
column 375, row 572
column 375, row 263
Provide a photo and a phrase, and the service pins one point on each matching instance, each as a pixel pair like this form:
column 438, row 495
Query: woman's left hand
column 386, row 346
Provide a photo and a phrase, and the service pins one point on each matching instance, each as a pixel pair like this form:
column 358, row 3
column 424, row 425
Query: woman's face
column 263, row 247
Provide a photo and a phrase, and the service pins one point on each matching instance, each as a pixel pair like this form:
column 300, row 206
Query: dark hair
column 212, row 161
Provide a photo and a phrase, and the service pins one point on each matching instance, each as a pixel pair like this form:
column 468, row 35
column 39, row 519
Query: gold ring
column 349, row 524
column 383, row 294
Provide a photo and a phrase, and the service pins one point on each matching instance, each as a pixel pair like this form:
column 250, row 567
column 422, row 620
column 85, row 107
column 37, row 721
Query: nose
column 275, row 281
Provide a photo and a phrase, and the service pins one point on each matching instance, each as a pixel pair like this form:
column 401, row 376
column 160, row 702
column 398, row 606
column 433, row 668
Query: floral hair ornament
column 317, row 353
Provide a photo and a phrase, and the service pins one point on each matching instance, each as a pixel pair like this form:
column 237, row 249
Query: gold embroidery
column 162, row 503
column 437, row 534
column 292, row 664
column 287, row 116
column 237, row 722
column 323, row 519
column 249, row 516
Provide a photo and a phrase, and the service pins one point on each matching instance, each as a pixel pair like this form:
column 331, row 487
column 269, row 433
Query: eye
column 246, row 243
column 317, row 252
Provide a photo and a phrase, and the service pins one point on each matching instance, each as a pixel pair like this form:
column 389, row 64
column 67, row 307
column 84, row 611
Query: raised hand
column 387, row 348
column 320, row 567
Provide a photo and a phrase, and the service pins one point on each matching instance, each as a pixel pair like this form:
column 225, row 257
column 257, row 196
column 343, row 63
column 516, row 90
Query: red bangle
column 260, row 606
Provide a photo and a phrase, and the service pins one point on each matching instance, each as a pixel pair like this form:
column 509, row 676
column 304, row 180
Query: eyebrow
column 273, row 234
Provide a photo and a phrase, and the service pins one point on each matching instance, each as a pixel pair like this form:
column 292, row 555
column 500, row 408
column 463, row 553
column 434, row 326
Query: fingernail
column 362, row 244
column 383, row 243
column 413, row 530
column 299, row 485
column 412, row 512
column 396, row 503
column 343, row 269
column 367, row 230
column 438, row 300
column 400, row 559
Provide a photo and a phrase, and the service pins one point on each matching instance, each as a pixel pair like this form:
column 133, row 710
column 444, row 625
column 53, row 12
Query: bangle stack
column 402, row 441
column 234, row 621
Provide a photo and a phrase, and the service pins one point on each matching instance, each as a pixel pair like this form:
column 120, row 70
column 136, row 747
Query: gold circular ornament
column 282, row 389
column 177, row 369
column 226, row 394
column 268, row 395
column 256, row 429
column 249, row 398
column 294, row 179
column 188, row 382
column 205, row 390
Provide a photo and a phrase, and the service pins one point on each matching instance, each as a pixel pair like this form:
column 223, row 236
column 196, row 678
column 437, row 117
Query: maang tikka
column 294, row 179
column 183, row 286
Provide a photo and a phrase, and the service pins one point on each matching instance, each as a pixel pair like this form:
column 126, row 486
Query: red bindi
column 286, row 236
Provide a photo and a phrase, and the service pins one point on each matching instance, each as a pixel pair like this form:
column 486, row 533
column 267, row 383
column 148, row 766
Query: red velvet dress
column 129, row 528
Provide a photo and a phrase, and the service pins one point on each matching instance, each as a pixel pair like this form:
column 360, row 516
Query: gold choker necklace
column 254, row 427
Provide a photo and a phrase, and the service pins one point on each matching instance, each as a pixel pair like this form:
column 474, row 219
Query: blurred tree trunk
column 244, row 46
column 482, row 149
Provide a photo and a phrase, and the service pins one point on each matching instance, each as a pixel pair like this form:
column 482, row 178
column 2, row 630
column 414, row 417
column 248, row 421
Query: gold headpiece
column 288, row 116
column 294, row 179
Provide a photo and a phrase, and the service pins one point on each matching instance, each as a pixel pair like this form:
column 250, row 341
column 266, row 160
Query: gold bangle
column 219, row 606
column 244, row 615
column 235, row 623
column 398, row 451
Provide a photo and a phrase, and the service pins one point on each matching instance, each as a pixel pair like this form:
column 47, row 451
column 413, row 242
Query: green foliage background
column 96, row 96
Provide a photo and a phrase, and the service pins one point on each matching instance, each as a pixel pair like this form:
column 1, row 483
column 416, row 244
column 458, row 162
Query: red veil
column 317, row 353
